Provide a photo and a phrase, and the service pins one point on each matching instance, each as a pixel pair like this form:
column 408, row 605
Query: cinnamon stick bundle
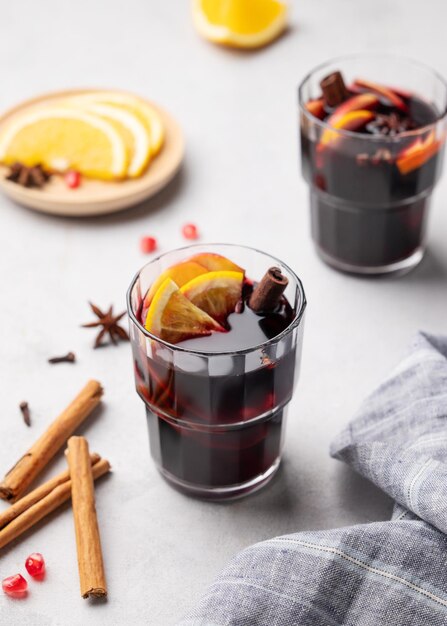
column 18, row 479
column 41, row 502
column 88, row 542
column 37, row 494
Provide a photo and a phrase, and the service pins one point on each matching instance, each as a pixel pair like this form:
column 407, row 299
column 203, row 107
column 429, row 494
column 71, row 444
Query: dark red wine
column 370, row 198
column 198, row 417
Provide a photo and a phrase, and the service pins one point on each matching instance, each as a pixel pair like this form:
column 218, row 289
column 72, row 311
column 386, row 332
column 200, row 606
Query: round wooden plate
column 95, row 197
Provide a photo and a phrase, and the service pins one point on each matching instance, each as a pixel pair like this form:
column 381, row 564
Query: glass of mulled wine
column 372, row 143
column 216, row 389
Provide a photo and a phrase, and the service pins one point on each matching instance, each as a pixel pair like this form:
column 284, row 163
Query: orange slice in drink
column 354, row 120
column 383, row 91
column 215, row 262
column 364, row 101
column 172, row 317
column 180, row 273
column 418, row 153
column 216, row 293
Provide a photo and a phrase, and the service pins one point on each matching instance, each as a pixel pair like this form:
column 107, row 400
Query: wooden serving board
column 95, row 197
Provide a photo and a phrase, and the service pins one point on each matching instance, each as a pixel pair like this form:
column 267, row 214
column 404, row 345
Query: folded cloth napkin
column 381, row 574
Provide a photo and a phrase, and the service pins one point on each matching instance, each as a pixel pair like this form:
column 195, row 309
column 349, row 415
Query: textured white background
column 240, row 183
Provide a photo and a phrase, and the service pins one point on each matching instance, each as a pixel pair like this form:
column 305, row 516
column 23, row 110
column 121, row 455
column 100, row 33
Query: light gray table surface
column 240, row 183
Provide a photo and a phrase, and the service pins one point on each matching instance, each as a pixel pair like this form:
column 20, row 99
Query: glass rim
column 294, row 324
column 374, row 138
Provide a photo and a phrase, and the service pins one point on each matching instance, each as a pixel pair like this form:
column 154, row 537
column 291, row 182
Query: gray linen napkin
column 385, row 573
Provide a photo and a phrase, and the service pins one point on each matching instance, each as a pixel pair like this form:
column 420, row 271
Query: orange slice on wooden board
column 216, row 293
column 173, row 318
column 134, row 134
column 62, row 138
column 146, row 113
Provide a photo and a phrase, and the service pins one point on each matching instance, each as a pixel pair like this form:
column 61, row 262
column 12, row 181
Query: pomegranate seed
column 148, row 244
column 14, row 585
column 72, row 179
column 189, row 231
column 35, row 564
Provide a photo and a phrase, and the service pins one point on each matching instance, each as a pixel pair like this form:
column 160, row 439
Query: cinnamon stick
column 42, row 451
column 334, row 89
column 267, row 294
column 88, row 542
column 7, row 516
column 43, row 507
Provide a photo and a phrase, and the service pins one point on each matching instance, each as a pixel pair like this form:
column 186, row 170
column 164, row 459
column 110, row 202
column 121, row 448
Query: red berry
column 189, row 231
column 35, row 564
column 14, row 585
column 148, row 244
column 72, row 179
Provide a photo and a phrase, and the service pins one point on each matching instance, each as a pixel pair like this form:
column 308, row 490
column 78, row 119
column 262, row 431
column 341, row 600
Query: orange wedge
column 240, row 23
column 418, row 153
column 383, row 91
column 316, row 107
column 216, row 293
column 172, row 317
column 354, row 120
column 215, row 262
column 180, row 273
column 365, row 101
column 62, row 138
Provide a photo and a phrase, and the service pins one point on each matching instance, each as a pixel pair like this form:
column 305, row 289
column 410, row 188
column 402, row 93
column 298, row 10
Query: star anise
column 109, row 323
column 391, row 124
column 26, row 176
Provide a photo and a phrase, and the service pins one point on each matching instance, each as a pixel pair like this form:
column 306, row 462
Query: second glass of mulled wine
column 216, row 355
column 372, row 144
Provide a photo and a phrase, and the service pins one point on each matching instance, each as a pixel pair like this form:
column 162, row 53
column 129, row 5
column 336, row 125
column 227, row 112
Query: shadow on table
column 431, row 270
column 290, row 504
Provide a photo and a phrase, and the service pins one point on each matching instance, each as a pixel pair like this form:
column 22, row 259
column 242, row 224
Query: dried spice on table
column 35, row 176
column 24, row 408
column 110, row 326
column 70, row 357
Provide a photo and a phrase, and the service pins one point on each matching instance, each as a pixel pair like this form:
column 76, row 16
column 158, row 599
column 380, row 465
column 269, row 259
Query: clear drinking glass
column 216, row 419
column 369, row 194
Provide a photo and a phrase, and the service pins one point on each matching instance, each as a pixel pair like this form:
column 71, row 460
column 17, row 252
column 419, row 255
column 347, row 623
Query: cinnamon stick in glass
column 88, row 542
column 267, row 293
column 334, row 89
column 18, row 479
column 43, row 506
